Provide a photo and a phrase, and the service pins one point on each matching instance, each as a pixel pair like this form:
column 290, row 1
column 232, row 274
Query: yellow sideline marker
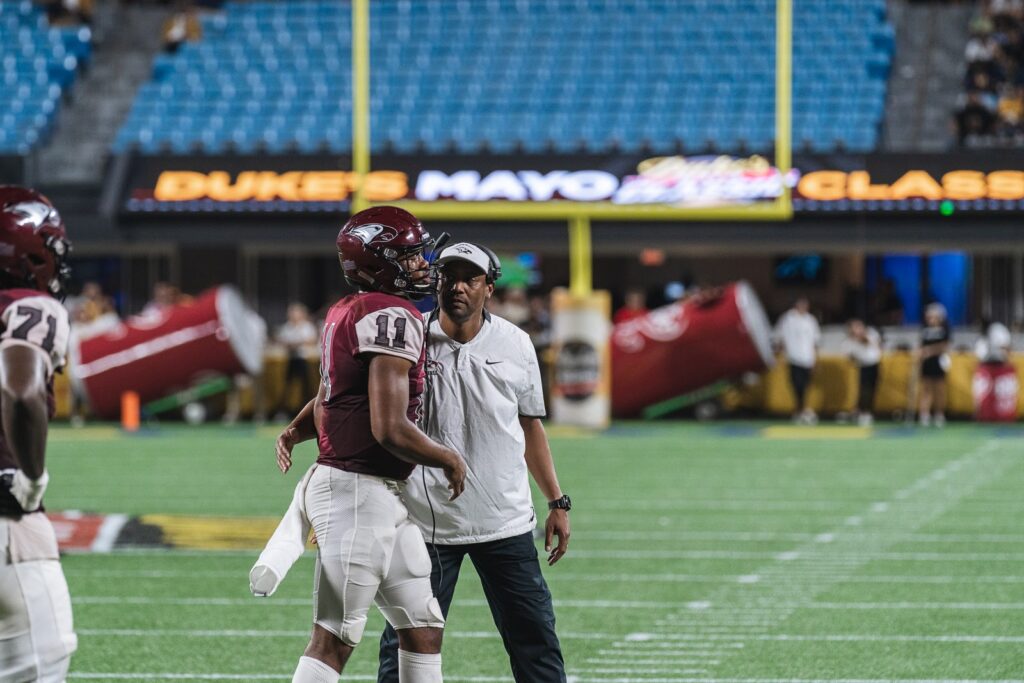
column 213, row 533
column 817, row 432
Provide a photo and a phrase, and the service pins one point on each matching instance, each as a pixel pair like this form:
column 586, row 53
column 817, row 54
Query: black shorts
column 932, row 368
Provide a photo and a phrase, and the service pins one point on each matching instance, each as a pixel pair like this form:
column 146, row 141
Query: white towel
column 285, row 547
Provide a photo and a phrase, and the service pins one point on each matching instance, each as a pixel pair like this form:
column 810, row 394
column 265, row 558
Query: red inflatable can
column 995, row 389
column 156, row 355
column 685, row 346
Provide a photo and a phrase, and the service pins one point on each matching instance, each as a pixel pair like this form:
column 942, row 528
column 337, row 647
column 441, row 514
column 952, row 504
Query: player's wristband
column 29, row 492
column 563, row 503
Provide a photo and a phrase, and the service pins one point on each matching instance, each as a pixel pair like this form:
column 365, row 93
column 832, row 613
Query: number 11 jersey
column 358, row 327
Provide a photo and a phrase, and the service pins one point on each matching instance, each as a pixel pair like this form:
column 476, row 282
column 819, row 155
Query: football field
column 738, row 552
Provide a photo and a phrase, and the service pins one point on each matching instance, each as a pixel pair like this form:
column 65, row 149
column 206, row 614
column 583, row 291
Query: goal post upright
column 579, row 215
column 360, row 99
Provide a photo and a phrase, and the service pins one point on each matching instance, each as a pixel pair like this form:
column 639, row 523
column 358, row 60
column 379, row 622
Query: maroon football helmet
column 371, row 245
column 33, row 242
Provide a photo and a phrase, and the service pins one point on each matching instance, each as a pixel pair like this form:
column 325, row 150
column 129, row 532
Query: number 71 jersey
column 357, row 328
column 35, row 319
column 31, row 318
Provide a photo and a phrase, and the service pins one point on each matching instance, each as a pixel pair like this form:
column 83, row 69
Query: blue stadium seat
column 39, row 65
column 500, row 75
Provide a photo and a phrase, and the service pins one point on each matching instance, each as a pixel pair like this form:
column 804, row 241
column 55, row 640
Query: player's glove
column 29, row 492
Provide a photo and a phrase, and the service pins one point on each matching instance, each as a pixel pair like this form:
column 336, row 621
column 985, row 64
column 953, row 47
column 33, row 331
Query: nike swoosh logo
column 492, row 362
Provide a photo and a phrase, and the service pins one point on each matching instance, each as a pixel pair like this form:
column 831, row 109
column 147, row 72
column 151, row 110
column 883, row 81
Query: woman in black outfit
column 934, row 365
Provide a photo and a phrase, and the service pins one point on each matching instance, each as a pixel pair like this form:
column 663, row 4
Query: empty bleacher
column 40, row 63
column 530, row 75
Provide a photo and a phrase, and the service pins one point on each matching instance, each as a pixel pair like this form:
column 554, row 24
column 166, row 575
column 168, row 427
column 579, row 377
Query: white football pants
column 369, row 552
column 36, row 634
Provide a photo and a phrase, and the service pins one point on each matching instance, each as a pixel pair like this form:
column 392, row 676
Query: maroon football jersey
column 30, row 318
column 357, row 327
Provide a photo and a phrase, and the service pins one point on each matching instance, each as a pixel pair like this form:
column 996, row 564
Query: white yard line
column 661, row 637
column 832, row 637
column 746, row 614
column 794, row 536
column 837, row 558
column 256, row 633
column 554, row 576
column 91, row 675
column 792, row 578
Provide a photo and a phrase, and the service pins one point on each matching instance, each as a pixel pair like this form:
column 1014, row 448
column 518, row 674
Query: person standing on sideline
column 363, row 418
column 995, row 343
column 863, row 345
column 484, row 400
column 935, row 362
column 798, row 334
column 298, row 336
column 37, row 636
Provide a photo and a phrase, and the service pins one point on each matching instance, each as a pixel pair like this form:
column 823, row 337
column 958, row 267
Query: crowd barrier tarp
column 977, row 183
column 169, row 350
column 688, row 345
column 833, row 388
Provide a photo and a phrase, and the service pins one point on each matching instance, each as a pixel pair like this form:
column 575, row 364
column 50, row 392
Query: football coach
column 484, row 400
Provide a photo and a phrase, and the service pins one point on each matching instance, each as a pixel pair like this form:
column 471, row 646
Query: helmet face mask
column 33, row 242
column 375, row 246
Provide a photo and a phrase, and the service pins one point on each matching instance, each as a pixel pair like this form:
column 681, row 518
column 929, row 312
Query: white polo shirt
column 476, row 393
column 800, row 335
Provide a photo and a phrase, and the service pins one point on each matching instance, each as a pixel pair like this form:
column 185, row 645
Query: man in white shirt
column 484, row 398
column 483, row 395
column 798, row 334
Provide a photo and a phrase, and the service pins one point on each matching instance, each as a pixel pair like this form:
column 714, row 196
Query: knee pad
column 406, row 597
column 352, row 629
column 348, row 630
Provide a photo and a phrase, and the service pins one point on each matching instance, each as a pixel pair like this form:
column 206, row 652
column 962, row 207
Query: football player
column 369, row 551
column 36, row 636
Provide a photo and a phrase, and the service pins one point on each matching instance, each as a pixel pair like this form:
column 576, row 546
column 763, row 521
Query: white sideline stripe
column 795, row 680
column 830, row 637
column 827, row 505
column 556, row 575
column 837, row 558
column 754, row 578
column 199, row 677
column 108, row 532
column 633, row 671
column 155, row 573
column 253, row 633
column 692, row 605
column 86, row 675
column 916, row 605
column 494, row 679
column 306, row 602
column 665, row 637
column 664, row 659
column 258, row 602
column 935, row 579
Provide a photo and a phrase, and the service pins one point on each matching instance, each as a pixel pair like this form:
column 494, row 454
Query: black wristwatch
column 563, row 503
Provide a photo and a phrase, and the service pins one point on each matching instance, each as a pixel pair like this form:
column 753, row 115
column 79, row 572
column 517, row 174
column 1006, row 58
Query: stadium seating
column 535, row 75
column 39, row 64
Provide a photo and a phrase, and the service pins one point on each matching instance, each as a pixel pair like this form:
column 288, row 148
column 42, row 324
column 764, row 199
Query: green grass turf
column 698, row 552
